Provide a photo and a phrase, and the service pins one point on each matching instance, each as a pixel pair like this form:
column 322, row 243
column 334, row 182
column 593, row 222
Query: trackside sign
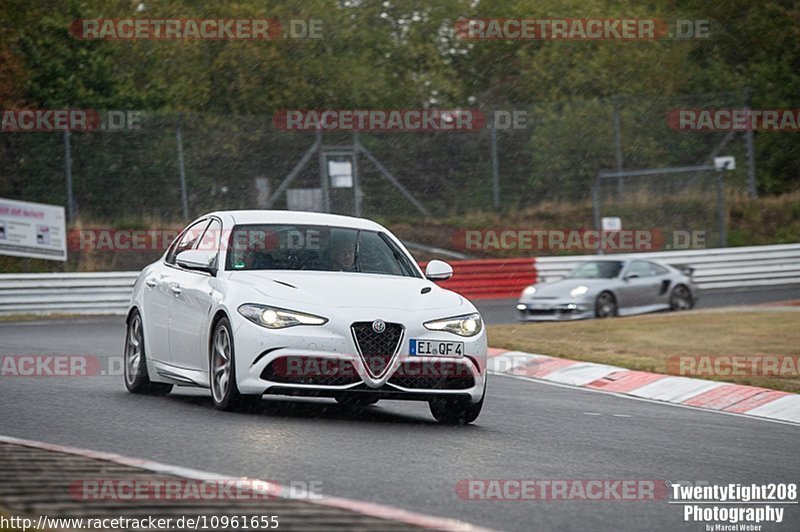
column 32, row 230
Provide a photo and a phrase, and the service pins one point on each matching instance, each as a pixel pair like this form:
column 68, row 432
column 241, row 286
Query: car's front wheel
column 135, row 364
column 606, row 305
column 456, row 410
column 222, row 370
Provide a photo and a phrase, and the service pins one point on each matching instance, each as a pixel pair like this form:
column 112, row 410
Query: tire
column 356, row 402
column 222, row 371
column 606, row 305
column 456, row 411
column 680, row 298
column 135, row 361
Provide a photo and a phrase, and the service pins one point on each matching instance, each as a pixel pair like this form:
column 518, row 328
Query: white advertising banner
column 32, row 230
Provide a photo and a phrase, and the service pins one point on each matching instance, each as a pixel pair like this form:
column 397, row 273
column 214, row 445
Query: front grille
column 429, row 375
column 376, row 349
column 540, row 312
column 319, row 371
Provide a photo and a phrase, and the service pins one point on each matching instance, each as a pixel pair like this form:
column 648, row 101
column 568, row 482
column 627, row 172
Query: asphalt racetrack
column 394, row 453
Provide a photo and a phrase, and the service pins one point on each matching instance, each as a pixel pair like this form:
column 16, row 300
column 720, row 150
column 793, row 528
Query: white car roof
column 295, row 217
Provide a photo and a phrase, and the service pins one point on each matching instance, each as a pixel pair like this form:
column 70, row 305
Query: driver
column 343, row 253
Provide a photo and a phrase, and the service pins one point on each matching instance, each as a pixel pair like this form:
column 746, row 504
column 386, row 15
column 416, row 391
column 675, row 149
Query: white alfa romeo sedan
column 249, row 303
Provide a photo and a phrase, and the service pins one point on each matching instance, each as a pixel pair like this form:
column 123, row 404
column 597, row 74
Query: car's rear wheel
column 135, row 364
column 680, row 298
column 222, row 370
column 356, row 402
column 606, row 305
column 456, row 410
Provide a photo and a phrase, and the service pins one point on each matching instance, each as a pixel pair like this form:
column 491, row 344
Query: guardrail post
column 618, row 144
column 495, row 167
column 596, row 209
column 751, row 156
column 358, row 194
column 723, row 240
column 323, row 174
column 71, row 207
column 182, row 172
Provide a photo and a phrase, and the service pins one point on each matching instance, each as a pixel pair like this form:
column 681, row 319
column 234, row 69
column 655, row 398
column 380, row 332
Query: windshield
column 316, row 248
column 597, row 269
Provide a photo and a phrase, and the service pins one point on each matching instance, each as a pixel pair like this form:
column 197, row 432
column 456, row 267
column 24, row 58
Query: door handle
column 150, row 282
column 175, row 290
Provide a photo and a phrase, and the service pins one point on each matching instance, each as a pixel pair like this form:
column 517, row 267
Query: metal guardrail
column 722, row 268
column 79, row 293
column 109, row 293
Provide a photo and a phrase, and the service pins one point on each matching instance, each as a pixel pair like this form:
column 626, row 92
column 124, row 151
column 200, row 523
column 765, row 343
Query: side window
column 640, row 268
column 186, row 241
column 591, row 270
column 657, row 270
column 211, row 238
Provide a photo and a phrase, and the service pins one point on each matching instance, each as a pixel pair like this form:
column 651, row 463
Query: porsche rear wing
column 684, row 268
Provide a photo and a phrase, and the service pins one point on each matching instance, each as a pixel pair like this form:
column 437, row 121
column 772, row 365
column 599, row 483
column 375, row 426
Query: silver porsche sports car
column 608, row 288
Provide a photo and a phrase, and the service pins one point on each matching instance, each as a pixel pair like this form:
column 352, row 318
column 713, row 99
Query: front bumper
column 566, row 309
column 324, row 361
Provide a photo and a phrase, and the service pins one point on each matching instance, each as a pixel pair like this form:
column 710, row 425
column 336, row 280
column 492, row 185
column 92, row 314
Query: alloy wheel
column 221, row 364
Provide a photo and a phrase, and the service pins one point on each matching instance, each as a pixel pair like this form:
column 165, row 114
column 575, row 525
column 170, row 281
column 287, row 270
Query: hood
column 347, row 290
column 563, row 287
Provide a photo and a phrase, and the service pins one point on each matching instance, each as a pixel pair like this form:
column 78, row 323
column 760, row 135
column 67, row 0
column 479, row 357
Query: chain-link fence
column 680, row 208
column 553, row 155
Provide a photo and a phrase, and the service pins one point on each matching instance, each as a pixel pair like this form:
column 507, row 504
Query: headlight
column 468, row 325
column 578, row 291
column 278, row 318
column 529, row 291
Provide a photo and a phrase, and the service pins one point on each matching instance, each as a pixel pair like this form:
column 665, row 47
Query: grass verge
column 647, row 342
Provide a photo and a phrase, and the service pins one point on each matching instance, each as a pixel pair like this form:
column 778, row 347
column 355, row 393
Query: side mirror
column 438, row 270
column 198, row 260
column 632, row 276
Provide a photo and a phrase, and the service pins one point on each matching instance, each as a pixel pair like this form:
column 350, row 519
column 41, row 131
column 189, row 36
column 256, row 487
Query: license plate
column 436, row 348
